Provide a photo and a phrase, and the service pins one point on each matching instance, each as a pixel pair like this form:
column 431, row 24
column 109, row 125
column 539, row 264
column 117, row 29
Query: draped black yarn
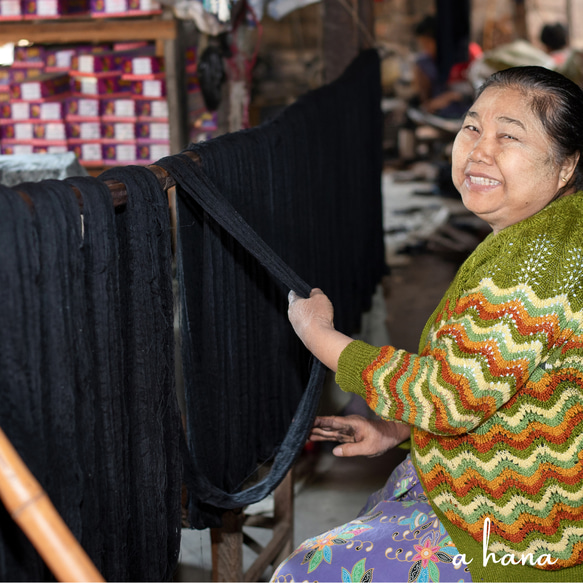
column 87, row 386
column 308, row 183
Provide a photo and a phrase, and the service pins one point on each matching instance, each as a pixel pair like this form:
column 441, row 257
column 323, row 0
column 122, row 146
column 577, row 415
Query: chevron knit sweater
column 495, row 398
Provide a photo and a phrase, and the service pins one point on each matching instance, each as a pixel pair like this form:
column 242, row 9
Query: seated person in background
column 554, row 38
column 493, row 402
column 448, row 99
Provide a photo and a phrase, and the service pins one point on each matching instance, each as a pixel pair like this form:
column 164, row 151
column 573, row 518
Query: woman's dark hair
column 558, row 103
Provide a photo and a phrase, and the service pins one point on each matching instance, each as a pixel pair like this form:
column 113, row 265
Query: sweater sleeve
column 480, row 351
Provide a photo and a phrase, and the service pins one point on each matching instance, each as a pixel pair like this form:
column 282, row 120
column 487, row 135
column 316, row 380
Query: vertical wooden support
column 227, row 547
column 283, row 513
column 176, row 90
column 227, row 542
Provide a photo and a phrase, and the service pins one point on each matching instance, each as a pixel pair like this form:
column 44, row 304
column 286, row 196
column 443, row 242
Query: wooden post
column 227, row 547
column 227, row 542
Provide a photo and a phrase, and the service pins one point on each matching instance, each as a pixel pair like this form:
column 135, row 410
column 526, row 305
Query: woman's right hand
column 358, row 435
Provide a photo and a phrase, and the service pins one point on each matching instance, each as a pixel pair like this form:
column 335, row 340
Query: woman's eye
column 471, row 128
column 509, row 137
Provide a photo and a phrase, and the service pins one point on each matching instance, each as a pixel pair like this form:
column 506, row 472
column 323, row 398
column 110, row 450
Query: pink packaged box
column 34, row 110
column 143, row 67
column 51, row 148
column 148, row 88
column 33, row 131
column 10, row 10
column 106, row 85
column 16, row 148
column 83, row 130
column 148, row 153
column 59, row 58
column 29, row 56
column 18, row 75
column 151, row 109
column 88, row 153
column 43, row 87
column 153, row 130
column 96, row 64
column 118, row 109
column 82, row 108
column 34, row 9
column 106, row 8
column 118, row 131
column 119, row 153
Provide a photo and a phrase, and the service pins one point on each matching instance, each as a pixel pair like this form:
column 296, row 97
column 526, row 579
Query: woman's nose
column 482, row 150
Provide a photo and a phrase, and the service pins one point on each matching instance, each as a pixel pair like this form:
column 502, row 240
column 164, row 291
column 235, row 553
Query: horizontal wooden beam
column 93, row 30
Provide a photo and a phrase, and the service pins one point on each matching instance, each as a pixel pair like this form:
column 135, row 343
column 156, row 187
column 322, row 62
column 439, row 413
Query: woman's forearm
column 313, row 322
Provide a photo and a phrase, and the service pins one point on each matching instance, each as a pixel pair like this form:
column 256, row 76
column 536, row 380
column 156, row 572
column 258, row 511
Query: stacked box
column 48, row 9
column 105, row 103
column 45, row 86
column 33, row 119
column 10, row 10
column 143, row 67
column 88, row 153
column 118, row 8
column 29, row 56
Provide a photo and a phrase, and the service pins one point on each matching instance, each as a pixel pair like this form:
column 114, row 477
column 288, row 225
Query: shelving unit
column 163, row 29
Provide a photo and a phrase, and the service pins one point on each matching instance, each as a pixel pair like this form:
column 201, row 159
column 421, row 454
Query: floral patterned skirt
column 396, row 537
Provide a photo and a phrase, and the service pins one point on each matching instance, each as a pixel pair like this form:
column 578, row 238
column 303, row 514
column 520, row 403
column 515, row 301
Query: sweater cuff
column 353, row 360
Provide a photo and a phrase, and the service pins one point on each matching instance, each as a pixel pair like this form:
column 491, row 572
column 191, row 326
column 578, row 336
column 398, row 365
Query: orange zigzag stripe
column 506, row 480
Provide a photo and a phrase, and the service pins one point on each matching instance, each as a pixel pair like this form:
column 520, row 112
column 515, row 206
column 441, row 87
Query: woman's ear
column 568, row 168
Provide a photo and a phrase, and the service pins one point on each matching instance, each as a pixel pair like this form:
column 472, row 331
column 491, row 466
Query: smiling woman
column 493, row 401
column 504, row 161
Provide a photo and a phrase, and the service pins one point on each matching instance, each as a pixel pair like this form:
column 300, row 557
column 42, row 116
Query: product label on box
column 153, row 88
column 20, row 111
column 23, row 131
column 126, row 152
column 142, row 66
column 51, row 131
column 115, row 5
column 85, row 63
column 88, row 107
column 63, row 58
column 124, row 131
column 47, row 7
column 50, row 111
column 10, row 8
column 89, row 130
column 87, row 85
column 31, row 90
column 120, row 108
column 90, row 152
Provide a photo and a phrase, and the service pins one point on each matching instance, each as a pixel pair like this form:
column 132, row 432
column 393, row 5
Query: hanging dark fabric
column 86, row 352
column 308, row 183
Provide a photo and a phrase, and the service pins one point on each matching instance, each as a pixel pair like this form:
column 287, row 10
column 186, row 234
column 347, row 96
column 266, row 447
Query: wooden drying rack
column 31, row 508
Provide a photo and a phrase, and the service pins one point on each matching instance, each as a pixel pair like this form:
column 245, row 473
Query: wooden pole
column 30, row 507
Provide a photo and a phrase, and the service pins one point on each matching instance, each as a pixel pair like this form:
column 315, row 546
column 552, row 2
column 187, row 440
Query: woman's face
column 502, row 162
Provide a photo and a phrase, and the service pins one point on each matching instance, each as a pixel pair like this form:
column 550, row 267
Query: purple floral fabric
column 396, row 537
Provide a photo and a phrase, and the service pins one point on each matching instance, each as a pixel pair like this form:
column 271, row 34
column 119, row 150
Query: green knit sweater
column 495, row 398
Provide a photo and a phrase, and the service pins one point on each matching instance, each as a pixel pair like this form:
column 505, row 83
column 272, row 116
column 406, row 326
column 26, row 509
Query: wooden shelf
column 95, row 29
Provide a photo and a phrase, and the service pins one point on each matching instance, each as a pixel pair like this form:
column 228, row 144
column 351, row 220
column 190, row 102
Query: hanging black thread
column 87, row 385
column 308, row 183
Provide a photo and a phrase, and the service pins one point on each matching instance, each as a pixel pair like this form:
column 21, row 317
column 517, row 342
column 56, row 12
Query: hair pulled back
column 558, row 103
